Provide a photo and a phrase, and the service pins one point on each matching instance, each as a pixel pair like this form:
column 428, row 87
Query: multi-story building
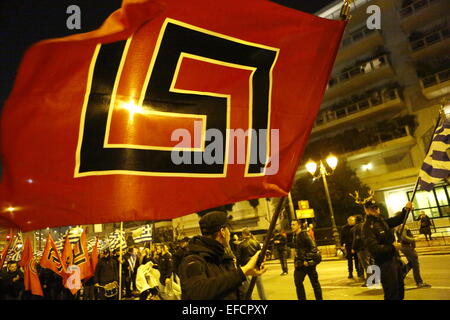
column 383, row 97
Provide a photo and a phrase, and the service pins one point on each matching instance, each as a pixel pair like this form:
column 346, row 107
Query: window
column 435, row 203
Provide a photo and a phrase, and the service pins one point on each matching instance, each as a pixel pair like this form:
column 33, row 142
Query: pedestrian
column 234, row 242
column 130, row 265
column 360, row 248
column 165, row 267
column 425, row 225
column 179, row 254
column 208, row 271
column 13, row 285
column 106, row 277
column 306, row 258
column 246, row 249
column 279, row 242
column 408, row 248
column 347, row 242
column 379, row 237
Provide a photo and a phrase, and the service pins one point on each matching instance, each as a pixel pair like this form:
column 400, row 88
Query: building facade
column 383, row 98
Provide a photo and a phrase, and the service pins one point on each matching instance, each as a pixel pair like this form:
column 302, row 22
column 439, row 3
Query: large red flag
column 31, row 277
column 51, row 259
column 145, row 118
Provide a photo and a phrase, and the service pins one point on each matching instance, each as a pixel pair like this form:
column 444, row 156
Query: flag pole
column 262, row 254
column 345, row 10
column 120, row 261
column 441, row 113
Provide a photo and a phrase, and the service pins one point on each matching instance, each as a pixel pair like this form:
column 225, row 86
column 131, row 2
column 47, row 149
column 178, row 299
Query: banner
column 51, row 258
column 169, row 108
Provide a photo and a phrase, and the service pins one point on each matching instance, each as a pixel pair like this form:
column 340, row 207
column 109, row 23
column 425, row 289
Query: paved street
column 336, row 286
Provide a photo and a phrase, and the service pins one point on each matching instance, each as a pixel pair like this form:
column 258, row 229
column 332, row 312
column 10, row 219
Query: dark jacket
column 177, row 257
column 106, row 271
column 165, row 267
column 208, row 273
column 379, row 236
column 282, row 244
column 12, row 289
column 358, row 239
column 407, row 238
column 305, row 249
column 246, row 249
column 425, row 225
column 347, row 236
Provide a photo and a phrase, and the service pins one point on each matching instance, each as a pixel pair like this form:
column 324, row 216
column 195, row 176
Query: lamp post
column 311, row 167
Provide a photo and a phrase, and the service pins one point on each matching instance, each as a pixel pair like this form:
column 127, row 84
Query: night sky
column 24, row 22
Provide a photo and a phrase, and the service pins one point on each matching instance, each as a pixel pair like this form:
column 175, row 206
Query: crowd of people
column 217, row 265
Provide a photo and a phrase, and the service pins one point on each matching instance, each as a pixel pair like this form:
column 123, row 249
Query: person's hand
column 353, row 251
column 305, row 263
column 409, row 205
column 397, row 245
column 250, row 269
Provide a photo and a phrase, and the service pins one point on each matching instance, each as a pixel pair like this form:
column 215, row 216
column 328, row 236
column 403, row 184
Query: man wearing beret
column 209, row 270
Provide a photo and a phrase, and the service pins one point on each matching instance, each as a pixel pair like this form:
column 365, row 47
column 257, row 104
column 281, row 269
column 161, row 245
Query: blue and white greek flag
column 436, row 165
column 15, row 252
column 143, row 234
column 114, row 240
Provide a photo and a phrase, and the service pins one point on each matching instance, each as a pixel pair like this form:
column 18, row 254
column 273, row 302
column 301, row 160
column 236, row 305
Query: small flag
column 5, row 250
column 67, row 254
column 51, row 258
column 30, row 274
column 436, row 166
column 15, row 252
column 114, row 240
column 143, row 234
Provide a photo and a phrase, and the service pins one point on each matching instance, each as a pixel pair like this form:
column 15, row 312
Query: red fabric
column 81, row 257
column 28, row 264
column 94, row 258
column 40, row 128
column 51, row 259
column 67, row 254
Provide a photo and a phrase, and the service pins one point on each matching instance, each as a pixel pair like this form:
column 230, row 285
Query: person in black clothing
column 425, row 225
column 380, row 240
column 165, row 265
column 12, row 278
column 106, row 277
column 279, row 242
column 360, row 249
column 208, row 271
column 347, row 241
column 179, row 254
column 306, row 259
column 246, row 249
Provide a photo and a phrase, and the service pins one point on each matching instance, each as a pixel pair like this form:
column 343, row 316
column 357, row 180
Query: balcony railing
column 376, row 100
column 366, row 67
column 415, row 6
column 430, row 39
column 357, row 35
column 435, row 79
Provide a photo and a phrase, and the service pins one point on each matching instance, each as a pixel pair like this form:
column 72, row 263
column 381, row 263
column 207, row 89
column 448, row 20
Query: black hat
column 371, row 205
column 213, row 221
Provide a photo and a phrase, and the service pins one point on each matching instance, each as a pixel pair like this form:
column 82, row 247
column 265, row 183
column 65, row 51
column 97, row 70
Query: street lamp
column 311, row 167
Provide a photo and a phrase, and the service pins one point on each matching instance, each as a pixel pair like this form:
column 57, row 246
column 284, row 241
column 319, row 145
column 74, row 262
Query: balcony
column 358, row 42
column 436, row 85
column 431, row 44
column 418, row 12
column 351, row 79
column 379, row 102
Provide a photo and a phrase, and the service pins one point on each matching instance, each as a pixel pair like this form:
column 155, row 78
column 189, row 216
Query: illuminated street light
column 311, row 167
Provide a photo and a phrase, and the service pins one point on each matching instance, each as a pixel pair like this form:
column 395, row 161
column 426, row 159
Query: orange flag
column 94, row 258
column 51, row 258
column 67, row 253
column 31, row 277
column 81, row 257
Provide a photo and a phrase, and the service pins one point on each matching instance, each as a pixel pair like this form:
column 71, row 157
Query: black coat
column 165, row 267
column 282, row 244
column 379, row 236
column 246, row 249
column 358, row 239
column 106, row 271
column 347, row 236
column 177, row 257
column 208, row 273
column 425, row 225
column 305, row 249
